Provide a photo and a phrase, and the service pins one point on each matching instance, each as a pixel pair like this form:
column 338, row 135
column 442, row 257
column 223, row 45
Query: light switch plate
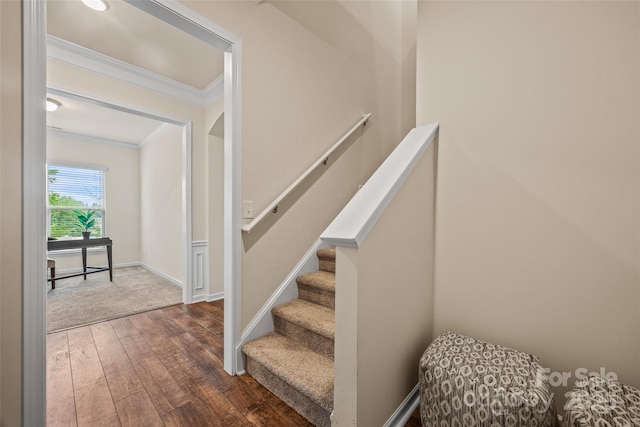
column 247, row 209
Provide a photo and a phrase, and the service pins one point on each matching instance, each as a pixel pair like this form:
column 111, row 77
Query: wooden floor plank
column 123, row 327
column 94, row 405
column 137, row 410
column 59, row 378
column 155, row 329
column 165, row 393
column 209, row 337
column 265, row 415
column 61, row 406
column 121, row 376
column 195, row 378
column 185, row 415
column 111, row 421
column 200, row 314
column 414, row 421
column 182, row 317
column 216, row 308
column 86, row 368
column 168, row 328
column 93, row 401
column 61, row 412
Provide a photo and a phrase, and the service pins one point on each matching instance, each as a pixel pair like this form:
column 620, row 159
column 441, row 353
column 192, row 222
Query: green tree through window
column 74, row 188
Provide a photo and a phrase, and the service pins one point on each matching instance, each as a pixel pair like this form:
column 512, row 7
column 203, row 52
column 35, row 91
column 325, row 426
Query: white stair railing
column 384, row 241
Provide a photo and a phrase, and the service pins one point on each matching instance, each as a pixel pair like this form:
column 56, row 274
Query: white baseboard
column 402, row 414
column 123, row 265
column 79, row 269
column 198, row 298
column 127, row 264
column 215, row 297
column 208, row 298
column 161, row 274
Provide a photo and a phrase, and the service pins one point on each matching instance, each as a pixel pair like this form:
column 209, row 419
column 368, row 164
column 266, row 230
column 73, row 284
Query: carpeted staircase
column 296, row 361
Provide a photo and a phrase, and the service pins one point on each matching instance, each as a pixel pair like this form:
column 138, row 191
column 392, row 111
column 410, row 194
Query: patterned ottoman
column 466, row 382
column 600, row 402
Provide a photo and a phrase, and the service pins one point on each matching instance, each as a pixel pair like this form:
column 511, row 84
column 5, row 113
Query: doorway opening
column 34, row 185
column 131, row 171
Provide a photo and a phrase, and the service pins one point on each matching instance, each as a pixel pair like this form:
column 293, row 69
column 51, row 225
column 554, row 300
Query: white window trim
column 102, row 209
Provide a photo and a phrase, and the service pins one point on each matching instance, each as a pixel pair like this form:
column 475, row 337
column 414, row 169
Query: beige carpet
column 76, row 302
column 295, row 361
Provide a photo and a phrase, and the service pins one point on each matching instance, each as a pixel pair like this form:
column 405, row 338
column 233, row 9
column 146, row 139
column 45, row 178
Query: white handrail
column 352, row 225
column 273, row 206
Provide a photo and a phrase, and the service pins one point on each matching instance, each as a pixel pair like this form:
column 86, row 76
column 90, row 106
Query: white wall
column 538, row 211
column 162, row 243
column 121, row 198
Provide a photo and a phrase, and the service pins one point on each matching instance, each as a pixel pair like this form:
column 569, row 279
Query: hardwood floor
column 414, row 421
column 159, row 368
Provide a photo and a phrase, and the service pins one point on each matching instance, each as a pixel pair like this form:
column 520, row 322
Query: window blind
column 72, row 192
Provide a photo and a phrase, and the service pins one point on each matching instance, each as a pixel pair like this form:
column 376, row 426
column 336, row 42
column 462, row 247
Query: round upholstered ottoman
column 600, row 402
column 467, row 382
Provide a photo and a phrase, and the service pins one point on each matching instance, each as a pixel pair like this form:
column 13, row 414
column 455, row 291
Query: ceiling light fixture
column 99, row 5
column 53, row 104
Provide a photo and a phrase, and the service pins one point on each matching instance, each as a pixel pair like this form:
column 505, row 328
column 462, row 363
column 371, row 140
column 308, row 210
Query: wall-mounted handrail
column 273, row 206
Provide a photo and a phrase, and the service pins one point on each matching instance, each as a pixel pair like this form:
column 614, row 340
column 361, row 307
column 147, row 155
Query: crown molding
column 94, row 139
column 214, row 90
column 72, row 54
column 153, row 134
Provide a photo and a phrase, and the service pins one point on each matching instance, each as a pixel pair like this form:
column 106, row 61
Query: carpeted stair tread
column 327, row 259
column 314, row 317
column 319, row 279
column 318, row 288
column 327, row 253
column 307, row 371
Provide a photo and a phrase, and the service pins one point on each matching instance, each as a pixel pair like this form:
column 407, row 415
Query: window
column 74, row 191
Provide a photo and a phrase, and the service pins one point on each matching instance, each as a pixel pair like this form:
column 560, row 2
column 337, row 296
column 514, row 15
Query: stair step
column 300, row 377
column 327, row 259
column 309, row 324
column 318, row 287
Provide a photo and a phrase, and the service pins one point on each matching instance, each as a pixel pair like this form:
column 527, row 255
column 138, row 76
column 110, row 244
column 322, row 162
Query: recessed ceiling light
column 53, row 104
column 99, row 5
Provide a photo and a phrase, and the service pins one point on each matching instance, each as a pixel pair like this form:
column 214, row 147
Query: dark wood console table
column 60, row 245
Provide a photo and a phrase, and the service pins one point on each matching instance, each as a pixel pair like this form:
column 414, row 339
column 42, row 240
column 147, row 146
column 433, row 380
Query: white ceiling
column 130, row 35
column 126, row 33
